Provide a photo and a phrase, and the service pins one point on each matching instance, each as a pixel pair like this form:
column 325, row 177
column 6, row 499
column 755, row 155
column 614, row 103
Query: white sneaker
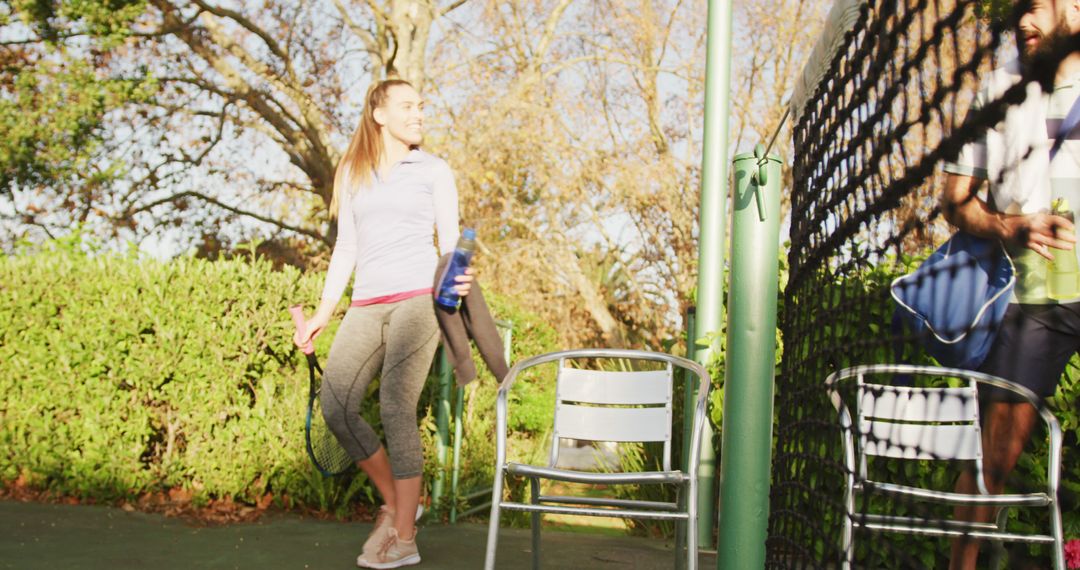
column 384, row 521
column 394, row 552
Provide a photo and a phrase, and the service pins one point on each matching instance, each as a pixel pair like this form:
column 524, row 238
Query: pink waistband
column 394, row 298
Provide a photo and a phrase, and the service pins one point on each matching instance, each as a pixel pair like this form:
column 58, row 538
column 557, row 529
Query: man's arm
column 963, row 208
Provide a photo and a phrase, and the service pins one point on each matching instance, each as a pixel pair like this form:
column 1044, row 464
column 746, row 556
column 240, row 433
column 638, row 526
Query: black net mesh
column 869, row 151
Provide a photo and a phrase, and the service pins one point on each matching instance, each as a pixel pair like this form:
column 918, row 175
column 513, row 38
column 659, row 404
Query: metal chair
column 594, row 405
column 903, row 422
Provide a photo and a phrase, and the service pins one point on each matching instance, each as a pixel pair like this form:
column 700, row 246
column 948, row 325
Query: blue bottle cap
column 468, row 233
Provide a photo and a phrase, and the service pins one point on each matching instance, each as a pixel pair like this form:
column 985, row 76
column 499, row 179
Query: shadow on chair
column 932, row 424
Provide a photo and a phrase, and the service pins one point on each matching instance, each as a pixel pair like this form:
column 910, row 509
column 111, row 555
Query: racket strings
column 327, row 454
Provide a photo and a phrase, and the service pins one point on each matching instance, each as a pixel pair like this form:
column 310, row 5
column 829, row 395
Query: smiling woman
column 403, row 118
column 388, row 194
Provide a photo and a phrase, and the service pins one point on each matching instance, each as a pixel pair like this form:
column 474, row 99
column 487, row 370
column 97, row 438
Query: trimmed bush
column 124, row 376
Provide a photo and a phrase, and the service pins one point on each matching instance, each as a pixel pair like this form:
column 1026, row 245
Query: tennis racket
column 323, row 448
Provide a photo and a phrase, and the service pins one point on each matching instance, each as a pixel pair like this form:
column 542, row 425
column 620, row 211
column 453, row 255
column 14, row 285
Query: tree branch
column 227, row 207
column 364, row 34
column 250, row 26
column 549, row 30
column 453, row 6
column 312, row 123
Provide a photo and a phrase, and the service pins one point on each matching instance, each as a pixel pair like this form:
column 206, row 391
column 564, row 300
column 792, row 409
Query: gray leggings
column 397, row 340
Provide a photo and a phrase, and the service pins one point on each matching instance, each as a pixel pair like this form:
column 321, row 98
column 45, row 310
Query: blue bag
column 955, row 301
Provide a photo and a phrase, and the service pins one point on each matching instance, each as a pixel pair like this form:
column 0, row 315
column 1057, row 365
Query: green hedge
column 124, row 375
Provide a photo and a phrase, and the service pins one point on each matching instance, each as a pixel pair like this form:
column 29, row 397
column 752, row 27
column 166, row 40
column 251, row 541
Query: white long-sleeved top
column 385, row 231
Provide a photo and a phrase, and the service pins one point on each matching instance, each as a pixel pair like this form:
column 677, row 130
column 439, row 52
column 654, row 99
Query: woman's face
column 402, row 116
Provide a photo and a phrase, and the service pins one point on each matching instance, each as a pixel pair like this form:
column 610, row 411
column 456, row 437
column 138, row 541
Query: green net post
column 689, row 387
column 712, row 231
column 442, row 425
column 459, row 406
column 751, row 359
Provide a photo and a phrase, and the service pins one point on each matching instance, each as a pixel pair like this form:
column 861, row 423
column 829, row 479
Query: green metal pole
column 751, row 363
column 442, row 424
column 689, row 386
column 712, row 222
column 459, row 406
column 689, row 399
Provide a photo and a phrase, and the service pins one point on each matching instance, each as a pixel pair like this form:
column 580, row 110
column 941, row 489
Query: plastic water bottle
column 1063, row 279
column 459, row 261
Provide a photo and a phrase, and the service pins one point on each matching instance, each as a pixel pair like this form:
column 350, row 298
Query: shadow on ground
column 46, row 536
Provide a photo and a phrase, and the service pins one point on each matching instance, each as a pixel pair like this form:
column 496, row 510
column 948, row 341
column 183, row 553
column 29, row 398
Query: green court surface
column 40, row 536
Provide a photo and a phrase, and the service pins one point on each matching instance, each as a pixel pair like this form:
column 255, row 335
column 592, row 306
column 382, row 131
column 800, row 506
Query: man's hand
column 1040, row 232
column 963, row 208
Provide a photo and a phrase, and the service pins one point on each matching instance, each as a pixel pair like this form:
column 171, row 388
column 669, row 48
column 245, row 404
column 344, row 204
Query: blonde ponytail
column 361, row 159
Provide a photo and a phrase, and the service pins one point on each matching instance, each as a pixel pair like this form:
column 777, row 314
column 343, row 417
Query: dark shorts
column 1032, row 348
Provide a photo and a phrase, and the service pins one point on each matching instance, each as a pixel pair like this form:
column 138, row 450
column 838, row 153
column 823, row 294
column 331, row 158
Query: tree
column 254, row 102
column 574, row 129
column 597, row 174
column 54, row 169
column 562, row 159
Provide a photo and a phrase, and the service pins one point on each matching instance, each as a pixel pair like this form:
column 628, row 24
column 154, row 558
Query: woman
column 388, row 195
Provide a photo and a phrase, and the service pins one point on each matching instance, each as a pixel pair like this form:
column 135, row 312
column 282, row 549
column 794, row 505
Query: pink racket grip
column 297, row 312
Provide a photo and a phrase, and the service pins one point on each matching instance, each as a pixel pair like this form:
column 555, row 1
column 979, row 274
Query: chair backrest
column 598, row 405
column 905, row 422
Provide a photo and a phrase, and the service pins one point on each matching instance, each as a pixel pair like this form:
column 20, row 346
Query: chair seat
column 1014, row 500
column 951, row 528
column 571, row 476
column 594, row 511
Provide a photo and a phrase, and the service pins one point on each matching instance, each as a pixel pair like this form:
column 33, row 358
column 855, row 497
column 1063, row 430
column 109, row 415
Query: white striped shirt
column 1064, row 170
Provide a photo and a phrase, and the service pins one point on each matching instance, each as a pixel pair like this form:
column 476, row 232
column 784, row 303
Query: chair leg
column 997, row 547
column 1059, row 535
column 680, row 532
column 692, row 525
column 493, row 524
column 847, row 539
column 534, row 485
column 847, row 543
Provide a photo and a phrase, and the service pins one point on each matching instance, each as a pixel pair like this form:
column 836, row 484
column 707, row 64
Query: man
column 1039, row 334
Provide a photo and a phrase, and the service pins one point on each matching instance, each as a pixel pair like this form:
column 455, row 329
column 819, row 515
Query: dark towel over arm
column 471, row 320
